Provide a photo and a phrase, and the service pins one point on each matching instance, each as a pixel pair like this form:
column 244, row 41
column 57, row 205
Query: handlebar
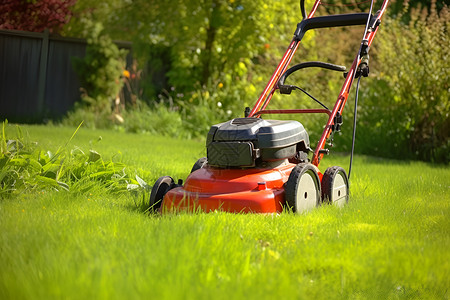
column 302, row 8
column 309, row 64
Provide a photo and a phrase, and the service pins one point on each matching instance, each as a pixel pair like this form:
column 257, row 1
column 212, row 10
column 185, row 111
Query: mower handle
column 330, row 21
column 309, row 64
column 302, row 8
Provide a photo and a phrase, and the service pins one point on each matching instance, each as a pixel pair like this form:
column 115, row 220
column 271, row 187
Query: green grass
column 390, row 242
column 154, row 154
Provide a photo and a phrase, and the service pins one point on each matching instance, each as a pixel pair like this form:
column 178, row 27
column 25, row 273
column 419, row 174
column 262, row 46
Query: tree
column 108, row 13
column 35, row 15
column 208, row 39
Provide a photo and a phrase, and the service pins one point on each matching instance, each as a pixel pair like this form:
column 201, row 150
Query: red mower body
column 254, row 190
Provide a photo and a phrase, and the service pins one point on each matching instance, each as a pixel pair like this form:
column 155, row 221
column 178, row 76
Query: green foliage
column 91, row 117
column 160, row 120
column 217, row 103
column 25, row 167
column 408, row 103
column 208, row 60
column 207, row 40
column 107, row 12
column 101, row 69
column 183, row 116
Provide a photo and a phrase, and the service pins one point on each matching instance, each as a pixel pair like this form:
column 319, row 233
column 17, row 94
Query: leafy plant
column 100, row 70
column 26, row 167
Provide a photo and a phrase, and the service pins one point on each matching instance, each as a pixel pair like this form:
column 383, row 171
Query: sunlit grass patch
column 389, row 242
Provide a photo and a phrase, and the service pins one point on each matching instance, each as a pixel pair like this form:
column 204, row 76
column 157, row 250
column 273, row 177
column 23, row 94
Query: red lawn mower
column 262, row 166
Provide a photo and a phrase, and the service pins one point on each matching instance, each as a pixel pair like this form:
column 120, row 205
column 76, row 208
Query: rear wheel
column 335, row 186
column 200, row 163
column 303, row 188
column 159, row 189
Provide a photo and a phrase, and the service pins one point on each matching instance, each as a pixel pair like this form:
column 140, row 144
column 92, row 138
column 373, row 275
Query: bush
column 407, row 111
column 91, row 118
column 215, row 103
column 160, row 120
column 100, row 70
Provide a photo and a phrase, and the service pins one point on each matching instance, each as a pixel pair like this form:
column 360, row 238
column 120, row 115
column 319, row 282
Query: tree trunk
column 209, row 44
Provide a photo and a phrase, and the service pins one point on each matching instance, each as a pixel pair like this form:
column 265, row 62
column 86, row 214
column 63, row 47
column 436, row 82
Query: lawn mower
column 256, row 165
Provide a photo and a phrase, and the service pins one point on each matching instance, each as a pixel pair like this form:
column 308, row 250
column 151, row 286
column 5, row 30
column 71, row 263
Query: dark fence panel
column 37, row 80
column 62, row 88
column 19, row 70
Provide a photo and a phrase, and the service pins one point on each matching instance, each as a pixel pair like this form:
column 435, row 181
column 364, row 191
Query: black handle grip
column 329, row 21
column 302, row 8
column 309, row 64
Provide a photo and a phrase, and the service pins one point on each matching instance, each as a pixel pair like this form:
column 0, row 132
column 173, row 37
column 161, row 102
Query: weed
column 25, row 167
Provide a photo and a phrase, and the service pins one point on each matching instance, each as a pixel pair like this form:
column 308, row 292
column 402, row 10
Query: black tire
column 200, row 163
column 159, row 189
column 302, row 190
column 335, row 188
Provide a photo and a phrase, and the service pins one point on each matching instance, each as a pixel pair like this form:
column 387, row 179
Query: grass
column 390, row 242
column 145, row 152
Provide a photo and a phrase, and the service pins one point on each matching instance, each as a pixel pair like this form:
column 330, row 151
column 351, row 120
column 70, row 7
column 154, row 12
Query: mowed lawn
column 391, row 241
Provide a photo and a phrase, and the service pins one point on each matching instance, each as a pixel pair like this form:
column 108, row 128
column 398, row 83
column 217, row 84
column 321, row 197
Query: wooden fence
column 37, row 80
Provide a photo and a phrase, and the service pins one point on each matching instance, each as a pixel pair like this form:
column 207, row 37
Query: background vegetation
column 407, row 103
column 202, row 62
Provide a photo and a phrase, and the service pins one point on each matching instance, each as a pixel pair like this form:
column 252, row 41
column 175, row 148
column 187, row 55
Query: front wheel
column 159, row 189
column 335, row 186
column 199, row 164
column 303, row 188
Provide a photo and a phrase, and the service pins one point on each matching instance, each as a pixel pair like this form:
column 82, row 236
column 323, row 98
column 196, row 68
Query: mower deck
column 255, row 190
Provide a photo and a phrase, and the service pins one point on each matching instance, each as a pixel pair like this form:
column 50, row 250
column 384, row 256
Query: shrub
column 91, row 117
column 100, row 70
column 215, row 103
column 159, row 120
column 407, row 109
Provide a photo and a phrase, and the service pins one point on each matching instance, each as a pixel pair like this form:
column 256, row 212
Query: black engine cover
column 242, row 141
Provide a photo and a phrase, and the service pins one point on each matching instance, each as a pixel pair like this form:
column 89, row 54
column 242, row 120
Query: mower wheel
column 159, row 189
column 200, row 163
column 302, row 190
column 335, row 186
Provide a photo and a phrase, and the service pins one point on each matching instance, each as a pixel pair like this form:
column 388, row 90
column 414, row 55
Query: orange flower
column 126, row 73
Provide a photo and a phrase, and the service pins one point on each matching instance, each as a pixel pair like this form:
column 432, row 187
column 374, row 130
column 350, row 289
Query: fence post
column 42, row 73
